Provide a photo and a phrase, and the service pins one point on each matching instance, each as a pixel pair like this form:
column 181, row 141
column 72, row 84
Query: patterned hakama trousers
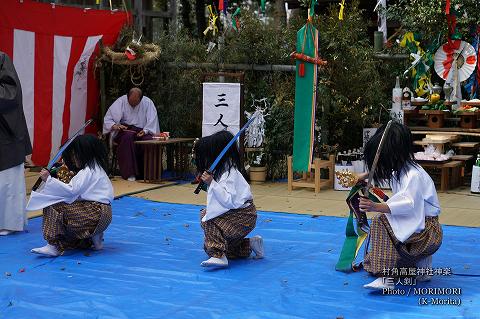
column 387, row 252
column 71, row 226
column 225, row 234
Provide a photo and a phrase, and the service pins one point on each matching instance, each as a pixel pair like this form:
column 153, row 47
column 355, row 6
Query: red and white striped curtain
column 53, row 50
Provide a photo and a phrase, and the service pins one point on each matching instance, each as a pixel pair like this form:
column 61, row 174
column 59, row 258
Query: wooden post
column 316, row 166
column 331, row 169
column 290, row 173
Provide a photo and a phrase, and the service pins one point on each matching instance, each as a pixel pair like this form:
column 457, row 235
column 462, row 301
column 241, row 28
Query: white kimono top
column 414, row 198
column 231, row 191
column 87, row 184
column 144, row 115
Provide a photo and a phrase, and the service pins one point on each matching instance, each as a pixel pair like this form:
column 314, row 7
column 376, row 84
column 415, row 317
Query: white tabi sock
column 215, row 262
column 381, row 283
column 47, row 250
column 425, row 263
column 5, row 232
column 256, row 243
column 98, row 241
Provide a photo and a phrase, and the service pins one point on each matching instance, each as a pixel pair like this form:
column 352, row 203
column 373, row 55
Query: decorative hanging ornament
column 235, row 21
column 422, row 61
column 311, row 10
column 459, row 54
column 131, row 55
column 302, row 57
column 340, row 12
column 255, row 133
column 472, row 84
column 212, row 21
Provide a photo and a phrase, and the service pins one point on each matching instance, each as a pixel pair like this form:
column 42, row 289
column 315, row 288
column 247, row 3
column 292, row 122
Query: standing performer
column 76, row 214
column 130, row 118
column 407, row 232
column 14, row 146
column 230, row 214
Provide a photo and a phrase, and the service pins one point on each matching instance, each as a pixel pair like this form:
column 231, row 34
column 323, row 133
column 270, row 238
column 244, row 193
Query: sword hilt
column 201, row 185
column 37, row 184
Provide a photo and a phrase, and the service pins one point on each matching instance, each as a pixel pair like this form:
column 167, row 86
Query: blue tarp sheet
column 150, row 269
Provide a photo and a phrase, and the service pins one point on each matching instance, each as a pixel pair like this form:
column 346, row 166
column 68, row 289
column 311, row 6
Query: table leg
column 177, row 160
column 444, row 179
column 160, row 162
column 155, row 164
column 151, row 160
column 145, row 157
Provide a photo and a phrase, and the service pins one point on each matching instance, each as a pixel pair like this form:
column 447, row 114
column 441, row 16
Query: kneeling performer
column 230, row 214
column 76, row 214
column 407, row 233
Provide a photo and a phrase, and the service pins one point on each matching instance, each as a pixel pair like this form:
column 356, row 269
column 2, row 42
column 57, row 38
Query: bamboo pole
column 233, row 67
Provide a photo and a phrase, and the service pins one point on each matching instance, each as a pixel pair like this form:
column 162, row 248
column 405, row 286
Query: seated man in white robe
column 130, row 118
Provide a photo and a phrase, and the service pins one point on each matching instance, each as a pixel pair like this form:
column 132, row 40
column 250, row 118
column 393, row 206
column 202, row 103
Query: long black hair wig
column 209, row 147
column 396, row 153
column 85, row 150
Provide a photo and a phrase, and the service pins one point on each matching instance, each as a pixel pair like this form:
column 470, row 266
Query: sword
column 225, row 149
column 362, row 220
column 60, row 151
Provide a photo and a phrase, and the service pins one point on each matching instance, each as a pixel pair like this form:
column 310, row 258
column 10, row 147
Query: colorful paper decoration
column 263, row 5
column 340, row 12
column 212, row 22
column 423, row 60
column 235, row 21
column 472, row 84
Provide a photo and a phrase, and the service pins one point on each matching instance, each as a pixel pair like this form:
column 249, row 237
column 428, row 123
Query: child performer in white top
column 230, row 214
column 407, row 233
column 76, row 214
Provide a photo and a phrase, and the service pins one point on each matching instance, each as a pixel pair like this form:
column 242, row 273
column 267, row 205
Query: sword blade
column 67, row 143
column 225, row 149
column 375, row 160
column 59, row 153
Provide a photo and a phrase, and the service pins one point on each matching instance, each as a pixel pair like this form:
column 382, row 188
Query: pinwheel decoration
column 458, row 54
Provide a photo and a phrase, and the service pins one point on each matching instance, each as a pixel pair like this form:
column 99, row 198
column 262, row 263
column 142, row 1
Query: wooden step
column 462, row 158
column 466, row 144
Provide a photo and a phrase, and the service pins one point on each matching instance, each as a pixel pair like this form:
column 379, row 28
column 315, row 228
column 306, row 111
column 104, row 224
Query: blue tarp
column 150, row 269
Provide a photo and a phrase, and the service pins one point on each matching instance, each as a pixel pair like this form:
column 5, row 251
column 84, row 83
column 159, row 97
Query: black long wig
column 209, row 147
column 396, row 153
column 85, row 150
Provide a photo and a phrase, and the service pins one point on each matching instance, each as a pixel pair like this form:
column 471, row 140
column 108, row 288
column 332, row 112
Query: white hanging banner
column 221, row 107
column 382, row 18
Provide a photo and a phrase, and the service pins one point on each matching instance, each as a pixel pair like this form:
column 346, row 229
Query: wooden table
column 450, row 130
column 153, row 158
column 447, row 180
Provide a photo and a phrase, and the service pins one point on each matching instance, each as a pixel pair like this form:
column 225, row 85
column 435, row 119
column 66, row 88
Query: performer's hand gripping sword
column 60, row 151
column 225, row 149
column 362, row 221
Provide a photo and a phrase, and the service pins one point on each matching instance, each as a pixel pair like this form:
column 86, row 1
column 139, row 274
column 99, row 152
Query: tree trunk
column 200, row 15
column 186, row 10
column 280, row 15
